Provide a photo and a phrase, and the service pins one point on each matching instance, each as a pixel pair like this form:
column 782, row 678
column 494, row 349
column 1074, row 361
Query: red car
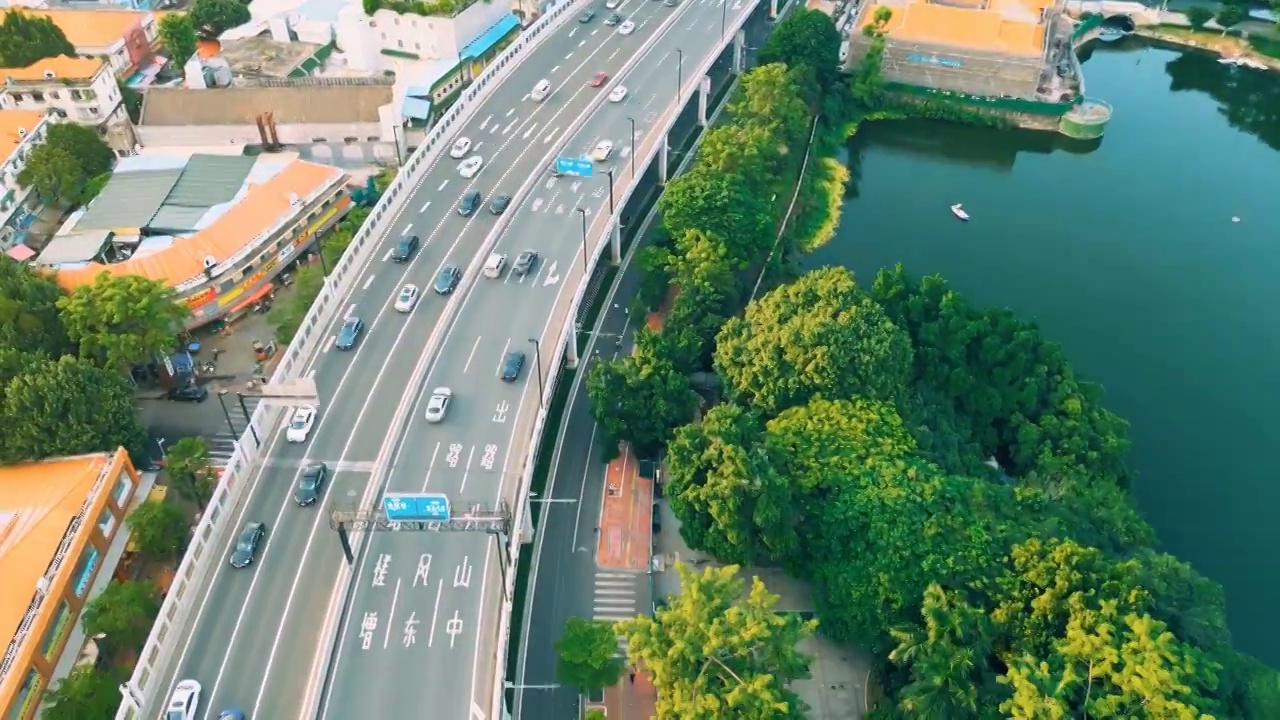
column 599, row 79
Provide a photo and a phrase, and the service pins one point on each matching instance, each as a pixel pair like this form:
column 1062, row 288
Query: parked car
column 189, row 393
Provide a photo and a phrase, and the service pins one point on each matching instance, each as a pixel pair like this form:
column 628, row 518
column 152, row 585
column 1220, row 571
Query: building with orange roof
column 983, row 47
column 82, row 89
column 217, row 229
column 62, row 533
column 121, row 38
column 20, row 132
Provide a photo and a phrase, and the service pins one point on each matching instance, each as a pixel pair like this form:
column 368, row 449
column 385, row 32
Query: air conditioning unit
column 48, row 75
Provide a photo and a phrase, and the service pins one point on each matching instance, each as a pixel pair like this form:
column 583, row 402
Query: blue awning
column 416, row 108
column 417, row 91
column 483, row 44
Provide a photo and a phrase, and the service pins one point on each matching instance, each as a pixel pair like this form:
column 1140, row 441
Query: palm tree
column 942, row 658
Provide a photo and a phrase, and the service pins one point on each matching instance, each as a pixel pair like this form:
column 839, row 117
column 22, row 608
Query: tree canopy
column 214, row 17
column 123, row 612
column 26, row 39
column 640, row 399
column 88, row 693
column 178, row 33
column 121, row 320
column 62, row 167
column 190, row 470
column 29, row 320
column 586, row 655
column 806, row 39
column 157, row 528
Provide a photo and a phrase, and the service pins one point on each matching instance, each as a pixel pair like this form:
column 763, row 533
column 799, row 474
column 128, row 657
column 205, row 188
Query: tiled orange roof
column 37, row 502
column 1004, row 26
column 10, row 122
column 262, row 207
column 206, row 49
column 63, row 68
column 90, row 28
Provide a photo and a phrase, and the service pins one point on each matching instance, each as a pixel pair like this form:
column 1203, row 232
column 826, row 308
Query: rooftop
column 261, row 56
column 91, row 27
column 62, row 67
column 309, row 102
column 266, row 196
column 11, row 121
column 1014, row 27
column 38, row 501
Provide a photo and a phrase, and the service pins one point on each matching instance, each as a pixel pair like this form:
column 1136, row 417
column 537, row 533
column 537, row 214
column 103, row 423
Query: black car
column 512, row 363
column 524, row 263
column 189, row 393
column 309, row 485
column 447, row 279
column 587, row 16
column 469, row 203
column 554, row 170
column 499, row 204
column 405, row 249
column 613, row 20
column 349, row 334
column 247, row 544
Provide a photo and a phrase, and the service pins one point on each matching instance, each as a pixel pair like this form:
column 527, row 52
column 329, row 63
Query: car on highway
column 599, row 79
column 304, row 418
column 494, row 265
column 613, row 20
column 189, row 393
column 603, row 150
column 438, row 405
column 512, row 363
column 469, row 167
column 447, row 279
column 349, row 333
column 669, row 3
column 524, row 263
column 246, row 548
column 310, row 483
column 470, row 203
column 231, row 714
column 587, row 16
column 499, row 204
column 407, row 298
column 460, row 148
column 613, row 4
column 405, row 249
column 626, row 28
column 183, row 701
column 618, row 94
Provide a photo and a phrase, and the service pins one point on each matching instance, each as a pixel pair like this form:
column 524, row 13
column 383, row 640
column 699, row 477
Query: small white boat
column 959, row 212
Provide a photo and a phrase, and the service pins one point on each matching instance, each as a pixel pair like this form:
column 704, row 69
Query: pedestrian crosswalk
column 222, row 445
column 615, row 598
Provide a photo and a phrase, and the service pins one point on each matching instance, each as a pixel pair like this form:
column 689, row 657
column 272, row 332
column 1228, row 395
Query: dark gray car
column 499, row 204
column 469, row 203
column 512, row 362
column 310, row 484
column 247, row 545
column 349, row 333
column 524, row 263
column 447, row 279
column 613, row 20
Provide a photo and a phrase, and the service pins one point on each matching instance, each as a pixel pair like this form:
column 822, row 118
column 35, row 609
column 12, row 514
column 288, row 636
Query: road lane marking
column 387, row 256
column 510, row 125
column 555, row 68
column 406, row 229
column 465, row 472
column 529, row 132
column 425, row 206
column 566, row 57
column 504, row 347
column 351, row 310
column 586, row 472
column 472, row 355
column 550, row 135
column 510, row 112
column 368, row 282
column 430, row 466
column 485, row 122
column 441, row 188
column 395, row 598
column 435, row 613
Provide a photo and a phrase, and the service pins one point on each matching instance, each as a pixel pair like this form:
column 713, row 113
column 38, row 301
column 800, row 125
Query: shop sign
column 245, row 286
column 202, row 298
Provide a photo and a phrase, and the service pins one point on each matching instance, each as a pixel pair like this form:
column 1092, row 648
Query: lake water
column 1127, row 254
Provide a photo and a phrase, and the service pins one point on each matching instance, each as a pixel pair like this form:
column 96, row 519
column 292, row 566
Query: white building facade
column 378, row 43
column 20, row 132
column 83, row 90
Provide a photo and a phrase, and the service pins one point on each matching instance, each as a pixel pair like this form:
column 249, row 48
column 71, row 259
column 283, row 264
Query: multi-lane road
column 418, row 636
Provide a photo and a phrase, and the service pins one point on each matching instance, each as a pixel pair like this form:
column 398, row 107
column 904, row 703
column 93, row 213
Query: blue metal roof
column 481, row 45
column 418, row 91
column 416, row 108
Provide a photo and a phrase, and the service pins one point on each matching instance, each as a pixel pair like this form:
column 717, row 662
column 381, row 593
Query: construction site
column 991, row 49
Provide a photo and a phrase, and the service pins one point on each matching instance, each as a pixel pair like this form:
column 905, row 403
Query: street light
column 222, row 394
column 257, row 442
column 537, row 359
column 609, row 172
column 583, row 213
column 504, row 560
column 679, row 72
column 633, row 146
column 724, row 11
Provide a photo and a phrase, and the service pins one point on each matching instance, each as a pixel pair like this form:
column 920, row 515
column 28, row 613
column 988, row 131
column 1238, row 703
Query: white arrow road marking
column 552, row 278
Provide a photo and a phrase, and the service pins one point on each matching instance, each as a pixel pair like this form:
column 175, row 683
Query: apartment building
column 83, row 90
column 123, row 39
column 20, row 132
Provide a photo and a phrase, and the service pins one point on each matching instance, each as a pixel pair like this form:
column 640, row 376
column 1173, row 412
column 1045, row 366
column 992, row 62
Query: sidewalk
column 626, row 517
column 631, row 699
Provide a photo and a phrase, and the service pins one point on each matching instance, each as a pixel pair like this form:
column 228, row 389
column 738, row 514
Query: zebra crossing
column 615, row 597
column 223, row 445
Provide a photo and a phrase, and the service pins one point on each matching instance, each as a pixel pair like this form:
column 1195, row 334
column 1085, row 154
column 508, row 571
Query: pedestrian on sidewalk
column 633, row 677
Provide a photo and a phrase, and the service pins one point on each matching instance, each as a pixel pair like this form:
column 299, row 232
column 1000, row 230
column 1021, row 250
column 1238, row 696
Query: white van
column 494, row 266
column 541, row 91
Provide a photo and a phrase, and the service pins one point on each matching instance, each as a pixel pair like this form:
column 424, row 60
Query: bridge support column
column 662, row 161
column 615, row 244
column 526, row 526
column 773, row 9
column 571, row 352
column 739, row 50
column 704, row 95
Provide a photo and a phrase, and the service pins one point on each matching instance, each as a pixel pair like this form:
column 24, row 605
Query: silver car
column 407, row 298
column 438, row 405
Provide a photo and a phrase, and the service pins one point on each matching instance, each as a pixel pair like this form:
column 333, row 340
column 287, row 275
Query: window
column 400, row 43
column 83, row 574
column 27, row 698
column 106, row 522
column 57, row 630
column 53, row 95
column 37, row 96
column 123, row 489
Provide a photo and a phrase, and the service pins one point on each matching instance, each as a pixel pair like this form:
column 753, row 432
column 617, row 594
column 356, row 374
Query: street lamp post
column 679, row 72
column 537, row 360
column 633, row 146
column 609, row 172
column 583, row 213
column 256, row 440
column 222, row 394
column 724, row 12
column 504, row 560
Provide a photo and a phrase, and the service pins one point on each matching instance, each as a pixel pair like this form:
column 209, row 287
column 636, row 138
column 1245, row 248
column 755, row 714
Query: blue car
column 349, row 334
column 231, row 715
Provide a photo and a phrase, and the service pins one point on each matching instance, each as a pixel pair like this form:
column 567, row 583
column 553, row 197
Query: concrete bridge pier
column 773, row 9
column 663, row 149
column 615, row 244
column 704, row 95
column 526, row 526
column 571, row 352
column 739, row 50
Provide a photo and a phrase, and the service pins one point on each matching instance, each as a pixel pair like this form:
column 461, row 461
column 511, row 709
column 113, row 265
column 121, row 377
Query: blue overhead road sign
column 420, row 507
column 580, row 167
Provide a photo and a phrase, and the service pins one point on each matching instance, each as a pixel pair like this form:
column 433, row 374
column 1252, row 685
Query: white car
column 618, row 94
column 304, row 418
column 626, row 28
column 612, row 4
column 460, row 148
column 603, row 150
column 183, row 701
column 438, row 404
column 471, row 166
column 407, row 298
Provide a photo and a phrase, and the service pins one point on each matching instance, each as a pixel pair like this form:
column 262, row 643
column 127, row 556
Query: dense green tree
column 1230, row 15
column 946, row 658
column 771, row 99
column 214, row 17
column 120, row 320
column 640, row 399
column 86, row 145
column 806, row 38
column 178, row 33
column 158, row 529
column 191, row 472
column 123, row 612
column 29, row 320
column 706, row 201
column 746, row 152
column 62, row 167
column 25, row 39
column 821, row 335
column 68, row 407
column 594, row 714
column 88, row 693
column 717, row 654
column 586, row 655
column 654, row 262
column 287, row 316
column 1198, row 15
